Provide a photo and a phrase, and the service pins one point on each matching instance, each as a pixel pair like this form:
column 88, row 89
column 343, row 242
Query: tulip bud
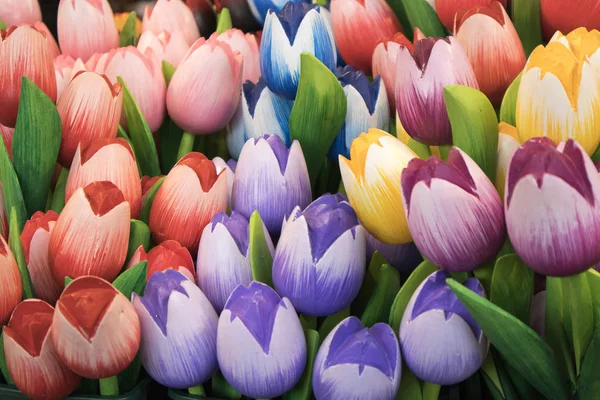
column 90, row 108
column 93, row 320
column 35, row 239
column 284, row 177
column 24, row 51
column 91, row 234
column 247, row 46
column 170, row 255
column 565, row 17
column 437, row 331
column 166, row 46
column 355, row 362
column 7, row 135
column 508, row 143
column 170, row 16
column 10, row 282
column 16, row 12
column 63, row 70
column 371, row 177
column 420, row 81
column 229, row 168
column 32, row 360
column 299, row 27
column 52, row 45
column 447, row 9
column 188, row 198
column 260, row 8
column 179, row 331
column 204, row 92
column 403, row 257
column 260, row 343
column 86, row 27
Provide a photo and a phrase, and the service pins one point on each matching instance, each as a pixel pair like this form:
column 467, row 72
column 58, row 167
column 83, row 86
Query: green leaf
column 139, row 235
column 121, row 133
column 521, row 386
column 410, row 388
column 128, row 35
column 422, row 15
column 68, row 280
column 168, row 70
column 3, row 365
column 431, row 391
column 261, row 259
column 359, row 304
column 484, row 275
column 473, row 390
column 132, row 280
column 596, row 156
column 58, row 197
column 170, row 137
column 318, row 113
column 147, row 204
column 512, row 286
column 474, row 125
column 526, row 16
column 303, row 389
column 186, row 145
column 519, row 344
column 332, row 321
column 420, row 149
column 508, row 109
column 2, row 25
column 588, row 385
column 490, row 376
column 222, row 389
column 424, row 269
column 140, row 134
column 387, row 286
column 13, row 197
column 14, row 242
column 593, row 278
column 130, row 376
column 224, row 20
column 400, row 11
column 507, row 386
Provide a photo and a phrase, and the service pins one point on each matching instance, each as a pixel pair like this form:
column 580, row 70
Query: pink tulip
column 35, row 239
column 52, row 45
column 171, row 255
column 95, row 329
column 10, row 282
column 205, row 90
column 247, row 46
column 32, row 360
column 24, row 51
column 170, row 16
column 90, row 108
column 7, row 135
column 16, row 12
column 65, row 68
column 166, row 46
column 86, row 27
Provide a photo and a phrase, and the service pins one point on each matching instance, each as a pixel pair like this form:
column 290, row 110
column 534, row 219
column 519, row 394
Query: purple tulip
column 320, row 259
column 441, row 342
column 272, row 179
column 179, row 331
column 453, row 210
column 260, row 343
column 403, row 257
column 223, row 257
column 356, row 363
column 552, row 205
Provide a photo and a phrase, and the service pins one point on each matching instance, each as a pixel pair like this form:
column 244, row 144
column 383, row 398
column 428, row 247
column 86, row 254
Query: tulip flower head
column 447, row 9
column 166, row 46
column 171, row 16
column 508, row 143
column 16, row 12
column 179, row 331
column 171, row 255
column 261, row 347
column 247, row 46
column 565, row 17
column 10, row 282
column 65, row 68
column 260, row 8
column 403, row 257
column 229, row 168
column 440, row 341
column 52, row 45
column 355, row 362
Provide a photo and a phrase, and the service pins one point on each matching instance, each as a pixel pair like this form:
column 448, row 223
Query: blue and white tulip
column 260, row 8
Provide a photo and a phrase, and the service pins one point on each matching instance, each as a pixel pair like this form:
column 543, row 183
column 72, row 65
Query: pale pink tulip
column 15, row 12
column 171, row 47
column 170, row 16
column 52, row 45
column 65, row 68
column 247, row 46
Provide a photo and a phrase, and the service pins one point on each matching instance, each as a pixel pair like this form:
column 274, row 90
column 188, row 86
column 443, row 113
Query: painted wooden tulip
column 284, row 176
column 24, row 51
column 31, row 358
column 95, row 329
column 224, row 257
column 356, row 363
column 565, row 17
column 170, row 47
column 440, row 341
column 247, row 45
column 447, row 9
column 171, row 16
column 89, row 108
column 35, row 239
column 86, row 27
column 179, row 331
column 229, row 168
column 16, row 12
column 453, row 210
column 204, row 92
column 261, row 347
column 10, row 282
column 261, row 8
column 65, row 68
column 404, row 257
column 189, row 197
column 7, row 136
column 552, row 205
column 147, row 183
column 91, row 234
column 320, row 259
column 52, row 45
column 508, row 143
column 297, row 28
column 170, row 255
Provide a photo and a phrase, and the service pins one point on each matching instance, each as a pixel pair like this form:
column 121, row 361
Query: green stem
column 431, row 391
column 444, row 149
column 197, row 390
column 186, row 145
column 308, row 321
column 109, row 386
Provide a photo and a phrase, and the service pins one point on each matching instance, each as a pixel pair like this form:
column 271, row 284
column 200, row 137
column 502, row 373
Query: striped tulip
column 420, row 81
column 91, row 234
column 32, row 360
column 189, row 197
column 166, row 46
column 86, row 27
column 552, row 205
column 179, row 331
column 453, row 210
column 371, row 178
column 52, row 45
column 260, row 8
column 508, row 143
column 171, row 16
column 7, row 136
column 24, row 51
column 170, row 255
column 107, row 160
column 95, row 329
column 403, row 257
column 247, row 46
column 10, row 282
column 261, row 347
column 89, row 108
column 65, row 68
column 568, row 16
column 359, row 26
column 229, row 168
column 447, row 9
column 16, row 12
column 137, row 257
column 35, row 239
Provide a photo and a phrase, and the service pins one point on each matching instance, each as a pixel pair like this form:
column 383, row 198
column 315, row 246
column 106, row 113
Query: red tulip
column 91, row 234
column 15, row 12
column 35, row 239
column 10, row 282
column 24, row 51
column 137, row 257
column 32, row 360
column 171, row 47
column 7, row 135
column 566, row 16
column 170, row 16
column 447, row 9
column 95, row 329
column 247, row 46
column 171, row 255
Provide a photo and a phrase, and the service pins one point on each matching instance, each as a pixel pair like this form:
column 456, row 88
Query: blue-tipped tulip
column 260, row 343
column 368, row 107
column 356, row 363
column 403, row 257
column 223, row 257
column 298, row 28
column 260, row 8
column 260, row 112
column 179, row 331
column 320, row 259
column 441, row 342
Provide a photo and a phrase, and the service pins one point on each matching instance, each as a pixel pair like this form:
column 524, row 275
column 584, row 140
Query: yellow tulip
column 372, row 182
column 508, row 143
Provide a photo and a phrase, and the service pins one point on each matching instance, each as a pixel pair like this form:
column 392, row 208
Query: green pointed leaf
column 422, row 15
column 359, row 304
column 132, row 280
column 168, row 70
column 431, row 391
column 484, row 275
column 588, row 385
column 473, row 389
column 318, row 113
column 420, row 149
column 13, row 197
column 128, row 36
column 3, row 365
column 507, row 385
column 526, row 18
column 593, row 278
column 517, row 343
column 261, row 259
column 130, row 376
column 14, row 242
column 386, row 288
column 224, row 20
column 596, row 156
column 170, row 137
column 474, row 125
column 400, row 11
column 303, row 389
column 140, row 134
column 332, row 321
column 490, row 376
column 523, row 389
column 508, row 109
column 68, row 280
column 58, row 197
column 512, row 286
column 121, row 133
column 410, row 388
column 139, row 235
column 222, row 389
column 147, row 204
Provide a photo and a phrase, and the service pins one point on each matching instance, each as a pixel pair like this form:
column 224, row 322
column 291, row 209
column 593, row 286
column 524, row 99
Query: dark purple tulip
column 403, row 257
